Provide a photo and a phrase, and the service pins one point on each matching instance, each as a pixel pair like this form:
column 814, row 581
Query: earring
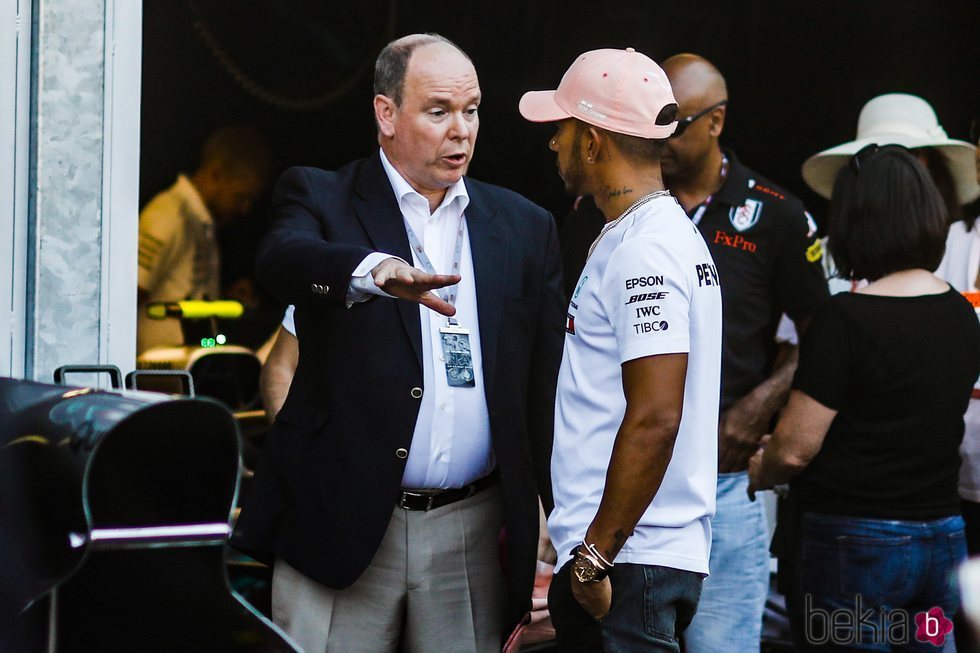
column 590, row 160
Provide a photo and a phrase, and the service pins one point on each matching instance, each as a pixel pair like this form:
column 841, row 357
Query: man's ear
column 717, row 119
column 595, row 142
column 385, row 114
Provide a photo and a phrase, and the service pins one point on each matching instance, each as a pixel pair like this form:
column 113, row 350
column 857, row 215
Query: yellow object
column 814, row 252
column 195, row 309
column 35, row 439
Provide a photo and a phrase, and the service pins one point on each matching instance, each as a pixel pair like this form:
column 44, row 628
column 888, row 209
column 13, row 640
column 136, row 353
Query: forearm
column 274, row 387
column 277, row 372
column 745, row 422
column 297, row 261
column 636, row 470
column 289, row 264
column 796, row 441
column 772, row 394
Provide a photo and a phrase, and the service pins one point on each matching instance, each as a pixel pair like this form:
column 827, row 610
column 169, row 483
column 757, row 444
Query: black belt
column 431, row 499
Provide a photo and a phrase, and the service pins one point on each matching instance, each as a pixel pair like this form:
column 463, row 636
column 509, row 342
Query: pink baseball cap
column 620, row 90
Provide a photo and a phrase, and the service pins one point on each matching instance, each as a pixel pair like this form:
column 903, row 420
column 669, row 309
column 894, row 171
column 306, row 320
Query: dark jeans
column 651, row 607
column 857, row 579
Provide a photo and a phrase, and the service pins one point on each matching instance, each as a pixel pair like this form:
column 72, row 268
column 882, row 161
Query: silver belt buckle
column 405, row 494
column 408, row 493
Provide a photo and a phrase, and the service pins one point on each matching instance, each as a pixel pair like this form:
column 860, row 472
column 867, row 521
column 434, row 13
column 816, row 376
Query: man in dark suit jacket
column 407, row 440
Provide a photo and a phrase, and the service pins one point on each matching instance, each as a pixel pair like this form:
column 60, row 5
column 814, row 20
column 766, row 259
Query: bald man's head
column 700, row 91
column 695, row 79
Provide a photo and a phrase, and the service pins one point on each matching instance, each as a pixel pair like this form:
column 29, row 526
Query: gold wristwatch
column 586, row 567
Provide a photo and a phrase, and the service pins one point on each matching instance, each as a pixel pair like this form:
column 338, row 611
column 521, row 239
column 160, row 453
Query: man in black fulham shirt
column 764, row 245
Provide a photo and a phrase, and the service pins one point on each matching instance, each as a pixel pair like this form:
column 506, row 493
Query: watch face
column 584, row 570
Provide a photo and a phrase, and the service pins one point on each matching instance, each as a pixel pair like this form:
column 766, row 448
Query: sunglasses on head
column 684, row 123
column 868, row 150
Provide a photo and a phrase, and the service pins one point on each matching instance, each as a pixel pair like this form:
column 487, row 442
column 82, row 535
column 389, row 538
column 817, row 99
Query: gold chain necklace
column 632, row 207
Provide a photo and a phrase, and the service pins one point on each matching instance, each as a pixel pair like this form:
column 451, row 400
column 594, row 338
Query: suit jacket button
column 416, row 393
column 401, row 453
column 325, row 289
column 315, row 287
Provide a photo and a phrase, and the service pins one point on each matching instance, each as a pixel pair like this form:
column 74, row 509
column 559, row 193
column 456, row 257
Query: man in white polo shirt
column 635, row 451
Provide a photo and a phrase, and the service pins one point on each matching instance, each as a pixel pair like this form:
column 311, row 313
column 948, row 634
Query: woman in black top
column 869, row 439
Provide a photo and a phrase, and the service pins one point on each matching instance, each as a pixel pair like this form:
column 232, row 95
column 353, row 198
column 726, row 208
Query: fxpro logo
column 863, row 625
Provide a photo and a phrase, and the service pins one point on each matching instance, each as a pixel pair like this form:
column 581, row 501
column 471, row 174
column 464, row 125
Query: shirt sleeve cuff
column 786, row 332
column 288, row 321
column 636, row 350
column 362, row 286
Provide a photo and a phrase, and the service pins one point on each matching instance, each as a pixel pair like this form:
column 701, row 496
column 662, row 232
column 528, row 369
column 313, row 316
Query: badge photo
column 745, row 216
column 458, row 356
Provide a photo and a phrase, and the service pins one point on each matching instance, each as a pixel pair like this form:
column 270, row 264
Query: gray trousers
column 435, row 583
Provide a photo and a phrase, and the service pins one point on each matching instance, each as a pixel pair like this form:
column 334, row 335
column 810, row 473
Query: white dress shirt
column 451, row 446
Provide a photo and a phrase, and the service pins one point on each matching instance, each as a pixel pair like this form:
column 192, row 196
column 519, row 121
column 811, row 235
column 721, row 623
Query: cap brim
column 540, row 106
column 820, row 170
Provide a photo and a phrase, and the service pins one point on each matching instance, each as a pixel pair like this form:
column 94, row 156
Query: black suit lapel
column 375, row 205
column 487, row 245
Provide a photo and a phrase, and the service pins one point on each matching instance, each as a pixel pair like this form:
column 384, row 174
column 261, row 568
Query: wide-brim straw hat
column 902, row 119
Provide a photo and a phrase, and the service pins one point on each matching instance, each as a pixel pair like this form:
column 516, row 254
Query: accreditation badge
column 458, row 356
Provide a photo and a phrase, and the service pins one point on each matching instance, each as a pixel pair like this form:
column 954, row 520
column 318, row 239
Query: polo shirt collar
column 404, row 192
column 189, row 193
